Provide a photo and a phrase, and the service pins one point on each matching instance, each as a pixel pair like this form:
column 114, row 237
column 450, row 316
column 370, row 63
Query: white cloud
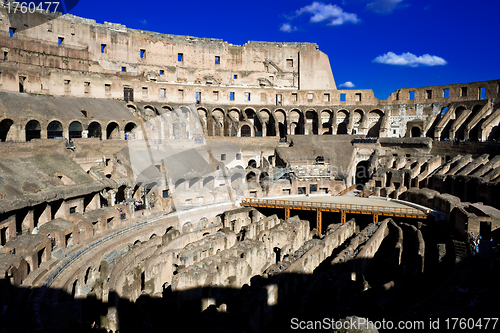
column 286, row 27
column 383, row 6
column 144, row 22
column 327, row 12
column 347, row 84
column 409, row 59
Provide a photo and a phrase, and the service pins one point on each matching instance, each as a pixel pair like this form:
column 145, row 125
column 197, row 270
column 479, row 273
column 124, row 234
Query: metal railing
column 335, row 207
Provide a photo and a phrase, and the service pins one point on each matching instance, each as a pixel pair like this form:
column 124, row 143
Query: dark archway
column 128, row 130
column 75, row 130
column 296, row 122
column 94, row 130
column 282, row 129
column 112, row 131
column 362, row 172
column 33, row 130
column 120, row 194
column 251, row 176
column 374, row 131
column 54, row 130
column 415, row 132
column 252, row 117
column 252, row 164
column 6, row 129
column 342, row 128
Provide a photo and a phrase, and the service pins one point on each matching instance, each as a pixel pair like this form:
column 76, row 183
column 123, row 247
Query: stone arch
column 132, row 108
column 179, row 182
column 54, row 130
column 234, row 115
column 251, row 176
column 459, row 111
column 75, row 130
column 326, row 120
column 94, row 130
column 474, row 131
column 186, row 112
column 268, row 121
column 374, row 121
column 152, row 110
column 129, row 127
column 311, row 121
column 209, row 181
column 280, row 118
column 253, row 118
column 218, row 120
column 252, row 163
column 7, row 130
column 186, row 227
column 236, row 177
column 166, row 107
column 296, row 122
column 342, row 121
column 112, row 131
column 194, row 181
column 357, row 117
column 202, row 112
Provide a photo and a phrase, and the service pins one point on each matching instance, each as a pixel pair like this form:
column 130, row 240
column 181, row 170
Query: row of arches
column 33, row 129
column 264, row 122
column 469, row 121
column 182, row 184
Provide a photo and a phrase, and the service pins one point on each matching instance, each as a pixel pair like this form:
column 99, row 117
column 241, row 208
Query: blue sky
column 373, row 44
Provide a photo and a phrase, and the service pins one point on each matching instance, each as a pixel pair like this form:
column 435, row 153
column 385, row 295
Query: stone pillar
column 112, row 197
column 94, row 202
column 28, row 222
column 61, row 212
column 45, row 215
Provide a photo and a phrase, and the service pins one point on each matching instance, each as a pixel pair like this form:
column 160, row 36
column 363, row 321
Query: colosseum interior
column 152, row 182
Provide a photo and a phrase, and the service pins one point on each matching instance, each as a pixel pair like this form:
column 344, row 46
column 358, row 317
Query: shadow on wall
column 384, row 291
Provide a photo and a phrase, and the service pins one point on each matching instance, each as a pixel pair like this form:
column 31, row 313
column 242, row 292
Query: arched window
column 33, row 129
column 128, row 130
column 246, row 131
column 54, row 130
column 75, row 130
column 94, row 130
column 6, row 130
column 112, row 131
